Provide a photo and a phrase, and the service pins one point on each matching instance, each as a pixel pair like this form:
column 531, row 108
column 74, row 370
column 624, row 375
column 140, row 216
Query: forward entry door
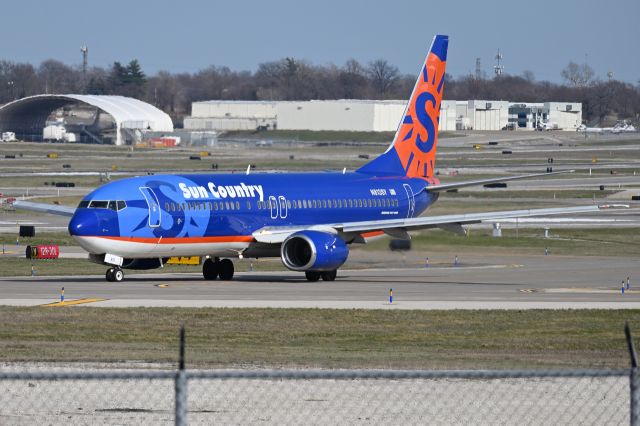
column 154, row 206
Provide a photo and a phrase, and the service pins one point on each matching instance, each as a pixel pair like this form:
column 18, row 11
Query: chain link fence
column 235, row 397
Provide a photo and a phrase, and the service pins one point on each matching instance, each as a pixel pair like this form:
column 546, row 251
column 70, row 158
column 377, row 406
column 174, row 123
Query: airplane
column 309, row 220
column 623, row 126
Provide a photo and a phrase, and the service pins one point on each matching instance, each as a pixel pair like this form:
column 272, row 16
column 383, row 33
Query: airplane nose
column 84, row 223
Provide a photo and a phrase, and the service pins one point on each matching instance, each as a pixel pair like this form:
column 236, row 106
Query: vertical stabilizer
column 413, row 150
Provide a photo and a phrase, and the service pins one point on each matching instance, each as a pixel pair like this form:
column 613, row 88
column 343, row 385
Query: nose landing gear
column 114, row 275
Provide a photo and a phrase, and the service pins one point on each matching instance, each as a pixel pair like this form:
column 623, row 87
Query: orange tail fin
column 413, row 150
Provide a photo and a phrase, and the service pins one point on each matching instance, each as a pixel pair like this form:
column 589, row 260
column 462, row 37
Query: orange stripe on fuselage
column 372, row 234
column 185, row 240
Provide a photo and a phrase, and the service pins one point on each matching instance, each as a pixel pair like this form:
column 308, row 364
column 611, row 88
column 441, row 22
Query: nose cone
column 84, row 223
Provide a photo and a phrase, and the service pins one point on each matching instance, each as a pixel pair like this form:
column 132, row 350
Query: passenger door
column 273, row 205
column 411, row 201
column 154, row 207
column 283, row 207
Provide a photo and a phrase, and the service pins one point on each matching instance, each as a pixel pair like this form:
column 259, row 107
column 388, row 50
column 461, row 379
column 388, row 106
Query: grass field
column 570, row 242
column 319, row 338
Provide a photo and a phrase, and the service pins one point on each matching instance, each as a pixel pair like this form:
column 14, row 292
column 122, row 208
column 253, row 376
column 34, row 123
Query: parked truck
column 57, row 132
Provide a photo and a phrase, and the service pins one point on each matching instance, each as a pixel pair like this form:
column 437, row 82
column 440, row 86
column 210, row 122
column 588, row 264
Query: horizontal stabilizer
column 445, row 187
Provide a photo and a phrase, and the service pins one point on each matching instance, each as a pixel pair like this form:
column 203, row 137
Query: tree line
column 294, row 79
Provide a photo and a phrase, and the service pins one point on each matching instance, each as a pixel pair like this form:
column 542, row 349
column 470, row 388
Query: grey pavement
column 479, row 282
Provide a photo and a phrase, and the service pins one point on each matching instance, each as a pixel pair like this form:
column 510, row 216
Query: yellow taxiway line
column 72, row 302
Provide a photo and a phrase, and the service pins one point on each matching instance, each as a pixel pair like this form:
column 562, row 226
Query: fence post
column 181, row 387
column 634, row 379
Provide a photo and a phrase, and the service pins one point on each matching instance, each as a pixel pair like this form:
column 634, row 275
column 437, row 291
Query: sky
column 190, row 35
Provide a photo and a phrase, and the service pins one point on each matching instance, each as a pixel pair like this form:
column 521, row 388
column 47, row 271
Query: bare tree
column 57, row 77
column 353, row 80
column 578, row 75
column 529, row 76
column 295, row 79
column 383, row 75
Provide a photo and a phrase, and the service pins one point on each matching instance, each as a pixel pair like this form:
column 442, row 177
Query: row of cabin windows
column 291, row 204
column 207, row 205
column 334, row 203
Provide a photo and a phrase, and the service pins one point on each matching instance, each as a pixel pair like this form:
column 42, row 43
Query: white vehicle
column 9, row 137
column 546, row 126
column 71, row 137
column 53, row 132
column 584, row 129
column 57, row 132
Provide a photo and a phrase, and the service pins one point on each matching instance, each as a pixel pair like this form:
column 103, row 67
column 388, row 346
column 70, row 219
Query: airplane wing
column 399, row 227
column 447, row 186
column 45, row 208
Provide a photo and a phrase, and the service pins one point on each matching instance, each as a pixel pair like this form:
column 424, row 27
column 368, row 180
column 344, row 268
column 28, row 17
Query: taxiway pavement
column 478, row 282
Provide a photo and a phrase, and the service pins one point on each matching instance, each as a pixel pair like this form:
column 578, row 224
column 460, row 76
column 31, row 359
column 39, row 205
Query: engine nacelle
column 313, row 251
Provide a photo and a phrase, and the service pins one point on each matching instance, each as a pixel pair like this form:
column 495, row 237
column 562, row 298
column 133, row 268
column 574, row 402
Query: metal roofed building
column 370, row 115
column 128, row 117
column 232, row 115
column 343, row 114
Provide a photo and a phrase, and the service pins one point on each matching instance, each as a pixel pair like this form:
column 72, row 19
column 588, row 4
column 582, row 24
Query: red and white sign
column 46, row 251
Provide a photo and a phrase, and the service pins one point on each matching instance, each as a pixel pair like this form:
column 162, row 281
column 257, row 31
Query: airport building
column 100, row 119
column 377, row 116
column 558, row 115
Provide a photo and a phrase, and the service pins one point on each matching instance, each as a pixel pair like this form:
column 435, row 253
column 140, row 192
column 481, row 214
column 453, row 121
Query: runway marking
column 72, row 302
column 578, row 290
column 436, row 266
column 595, row 290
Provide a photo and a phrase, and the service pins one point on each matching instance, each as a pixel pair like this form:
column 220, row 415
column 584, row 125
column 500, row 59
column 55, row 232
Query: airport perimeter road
column 487, row 282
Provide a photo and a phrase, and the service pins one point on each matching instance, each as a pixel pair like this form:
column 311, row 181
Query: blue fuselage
column 182, row 209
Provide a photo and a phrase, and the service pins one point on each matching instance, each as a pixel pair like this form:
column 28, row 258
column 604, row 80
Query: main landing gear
column 114, row 275
column 325, row 275
column 216, row 268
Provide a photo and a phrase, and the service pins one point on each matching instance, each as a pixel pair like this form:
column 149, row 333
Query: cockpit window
column 98, row 204
column 103, row 204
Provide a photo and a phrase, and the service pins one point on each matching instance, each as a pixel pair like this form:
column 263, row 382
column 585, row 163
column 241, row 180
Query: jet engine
column 313, row 251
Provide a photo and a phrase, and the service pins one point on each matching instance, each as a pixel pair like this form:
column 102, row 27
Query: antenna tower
column 498, row 68
column 85, row 56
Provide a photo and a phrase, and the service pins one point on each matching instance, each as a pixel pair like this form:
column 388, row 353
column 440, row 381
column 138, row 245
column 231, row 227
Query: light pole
column 10, row 89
